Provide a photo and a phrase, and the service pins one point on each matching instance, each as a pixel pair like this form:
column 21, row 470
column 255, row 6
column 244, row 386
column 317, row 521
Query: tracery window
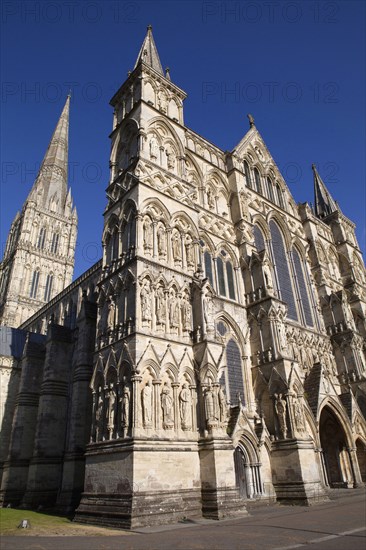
column 225, row 275
column 235, row 373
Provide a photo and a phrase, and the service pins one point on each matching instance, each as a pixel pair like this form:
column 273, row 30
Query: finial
column 251, row 120
column 69, row 94
column 149, row 27
column 167, row 73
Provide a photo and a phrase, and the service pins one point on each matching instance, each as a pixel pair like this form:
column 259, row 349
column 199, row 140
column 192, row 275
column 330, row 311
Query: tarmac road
column 336, row 525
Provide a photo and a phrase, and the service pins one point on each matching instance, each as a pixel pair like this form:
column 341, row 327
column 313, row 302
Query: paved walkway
column 336, row 525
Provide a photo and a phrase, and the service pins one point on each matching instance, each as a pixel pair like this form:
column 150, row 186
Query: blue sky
column 297, row 66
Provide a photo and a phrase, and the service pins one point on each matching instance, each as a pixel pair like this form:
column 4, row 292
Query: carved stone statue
column 173, row 311
column 167, row 405
column 154, row 148
column 280, row 407
column 99, row 415
column 170, row 157
column 161, row 238
column 186, row 314
column 146, row 396
column 125, row 407
column 185, row 407
column 282, row 336
column 146, row 302
column 267, row 275
column 210, row 198
column 299, row 415
column 222, row 404
column 176, row 246
column 210, row 406
column 112, row 407
column 189, row 250
column 160, row 305
column 148, row 235
column 111, row 314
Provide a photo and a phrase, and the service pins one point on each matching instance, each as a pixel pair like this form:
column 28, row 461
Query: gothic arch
column 274, row 216
column 151, row 367
column 149, row 204
column 171, row 371
column 340, row 415
column 180, row 217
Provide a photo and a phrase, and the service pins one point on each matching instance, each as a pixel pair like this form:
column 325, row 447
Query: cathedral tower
column 38, row 261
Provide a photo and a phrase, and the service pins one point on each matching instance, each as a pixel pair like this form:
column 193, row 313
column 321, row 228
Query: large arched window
column 282, row 271
column 235, row 373
column 258, row 239
column 303, row 288
column 34, row 285
column 248, row 176
column 258, row 182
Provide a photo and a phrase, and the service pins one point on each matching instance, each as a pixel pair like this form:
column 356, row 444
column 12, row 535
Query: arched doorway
column 361, row 457
column 336, row 460
column 247, row 474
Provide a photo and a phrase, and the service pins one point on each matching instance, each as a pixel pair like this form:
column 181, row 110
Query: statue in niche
column 173, row 311
column 154, row 148
column 189, row 250
column 112, row 406
column 208, row 307
column 170, row 157
column 222, row 404
column 147, row 404
column 111, row 314
column 280, row 408
column 161, row 238
column 210, row 198
column 176, row 246
column 211, row 405
column 146, row 301
column 299, row 414
column 162, row 101
column 267, row 274
column 160, row 305
column 148, row 235
column 282, row 336
column 99, row 416
column 186, row 314
column 167, row 405
column 125, row 407
column 185, row 407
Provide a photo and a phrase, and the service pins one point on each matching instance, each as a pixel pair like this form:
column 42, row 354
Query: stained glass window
column 282, row 270
column 302, row 288
column 235, row 374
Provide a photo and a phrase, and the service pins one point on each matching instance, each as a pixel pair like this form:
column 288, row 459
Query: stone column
column 175, row 387
column 14, row 479
column 135, row 380
column 46, row 465
column 156, row 404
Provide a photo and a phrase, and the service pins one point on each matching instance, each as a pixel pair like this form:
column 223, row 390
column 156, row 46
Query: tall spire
column 149, row 54
column 50, row 188
column 324, row 203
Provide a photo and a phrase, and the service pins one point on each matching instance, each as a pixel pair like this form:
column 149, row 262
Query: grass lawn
column 11, row 518
column 47, row 525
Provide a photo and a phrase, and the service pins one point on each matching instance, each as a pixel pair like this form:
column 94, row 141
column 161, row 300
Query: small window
column 221, row 276
column 48, row 288
column 208, row 267
column 258, row 182
column 230, row 280
column 247, row 174
column 54, row 244
column 270, row 190
column 34, row 286
column 41, row 238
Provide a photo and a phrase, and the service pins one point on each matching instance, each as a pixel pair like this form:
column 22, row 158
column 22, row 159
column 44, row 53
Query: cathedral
column 215, row 355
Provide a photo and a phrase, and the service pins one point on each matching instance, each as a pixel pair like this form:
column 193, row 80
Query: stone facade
column 216, row 354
